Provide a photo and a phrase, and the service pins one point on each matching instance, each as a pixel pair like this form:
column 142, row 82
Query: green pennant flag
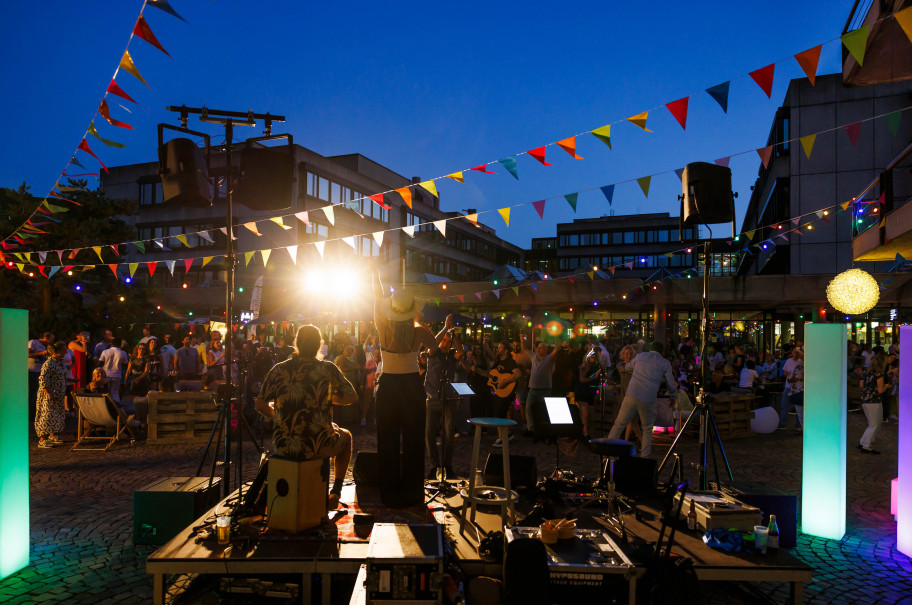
column 141, row 246
column 644, row 184
column 571, row 199
column 107, row 142
column 893, row 120
column 855, row 42
column 55, row 208
column 437, row 301
column 510, row 165
column 603, row 134
column 247, row 257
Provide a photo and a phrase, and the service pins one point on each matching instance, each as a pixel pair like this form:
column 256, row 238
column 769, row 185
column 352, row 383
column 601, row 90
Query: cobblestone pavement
column 81, row 518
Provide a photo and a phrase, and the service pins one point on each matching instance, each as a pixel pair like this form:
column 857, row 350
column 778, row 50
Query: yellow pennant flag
column 206, row 260
column 670, row 254
column 603, row 133
column 472, row 218
column 505, row 214
column 808, row 144
column 516, row 290
column 252, row 227
column 749, row 234
column 430, row 186
column 133, row 267
column 265, row 254
column 248, row 256
column 278, row 221
column 182, row 239
column 457, row 176
column 904, row 18
column 97, row 250
column 644, row 184
column 330, row 214
column 591, row 274
column 640, row 120
column 406, row 194
column 21, row 267
column 845, row 206
column 126, row 64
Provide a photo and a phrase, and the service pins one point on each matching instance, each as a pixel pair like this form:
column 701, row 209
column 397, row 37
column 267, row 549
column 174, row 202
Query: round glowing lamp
column 853, row 292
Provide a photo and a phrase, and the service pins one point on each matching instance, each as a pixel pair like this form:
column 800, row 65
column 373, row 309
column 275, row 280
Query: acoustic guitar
column 494, row 378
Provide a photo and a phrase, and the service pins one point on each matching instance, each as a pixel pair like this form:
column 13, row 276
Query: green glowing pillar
column 14, row 431
column 823, row 489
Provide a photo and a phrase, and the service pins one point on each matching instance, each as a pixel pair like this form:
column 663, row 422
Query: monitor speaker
column 185, row 175
column 707, row 198
column 266, row 177
column 523, row 471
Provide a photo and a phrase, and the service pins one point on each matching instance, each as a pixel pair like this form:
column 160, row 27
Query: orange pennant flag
column 765, row 154
column 104, row 112
column 472, row 218
column 126, row 64
column 142, row 30
column 640, row 120
column 808, row 61
column 904, row 18
column 114, row 269
column 406, row 194
column 569, row 145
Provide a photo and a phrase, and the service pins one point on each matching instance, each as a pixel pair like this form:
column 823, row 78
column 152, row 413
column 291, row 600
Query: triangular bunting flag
column 853, row 130
column 430, row 186
column 113, row 269
column 904, row 18
column 510, row 165
column 505, row 215
column 60, row 255
column 456, row 176
column 807, row 142
column 719, row 92
column 472, row 218
column 603, row 134
column 893, row 121
column 378, row 199
column 534, row 287
column 182, row 239
column 437, row 301
column 114, row 89
column 350, row 240
column 252, row 227
column 796, row 220
column 722, row 161
column 846, row 205
column 608, row 192
column 163, row 5
column 749, row 234
column 764, row 78
column 303, row 217
column 409, row 230
column 640, row 120
column 293, row 253
column 679, row 110
column 629, row 265
column 571, row 280
column 808, row 61
column 680, row 174
column 248, row 256
column 104, row 112
column 569, row 145
column 644, row 182
column 378, row 237
column 265, row 254
column 483, row 168
column 441, row 227
column 765, row 153
column 126, row 64
column 478, row 295
column 115, row 248
column 406, row 194
column 97, row 250
column 208, row 259
column 496, row 294
column 140, row 247
column 142, row 30
column 85, row 147
column 855, row 42
column 571, row 199
column 539, row 154
column 590, row 274
column 612, row 270
column 540, row 208
column 42, row 256
column 278, row 221
column 52, row 271
column 188, row 262
column 330, row 214
column 320, row 246
column 460, row 297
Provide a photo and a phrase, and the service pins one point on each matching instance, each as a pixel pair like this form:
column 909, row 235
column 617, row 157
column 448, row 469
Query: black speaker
column 185, row 175
column 166, row 507
column 523, row 471
column 707, row 194
column 266, row 177
column 635, row 476
column 366, row 471
column 770, row 500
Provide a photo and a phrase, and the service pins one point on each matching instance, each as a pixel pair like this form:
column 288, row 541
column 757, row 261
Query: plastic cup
column 761, row 537
column 222, row 526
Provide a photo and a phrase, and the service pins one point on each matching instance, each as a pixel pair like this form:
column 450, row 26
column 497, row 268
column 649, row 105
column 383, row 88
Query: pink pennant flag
column 302, row 216
column 483, row 168
column 795, row 220
column 571, row 279
column 188, row 262
column 534, row 287
column 629, row 265
column 478, row 294
column 723, row 161
column 496, row 294
column 539, row 154
column 540, row 208
column 142, row 30
column 853, row 130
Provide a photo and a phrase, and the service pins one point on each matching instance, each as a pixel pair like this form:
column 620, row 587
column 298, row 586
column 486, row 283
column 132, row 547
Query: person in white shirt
column 167, row 354
column 749, row 375
column 112, row 361
column 793, row 393
column 649, row 369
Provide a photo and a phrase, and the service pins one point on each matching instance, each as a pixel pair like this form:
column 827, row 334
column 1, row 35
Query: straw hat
column 401, row 306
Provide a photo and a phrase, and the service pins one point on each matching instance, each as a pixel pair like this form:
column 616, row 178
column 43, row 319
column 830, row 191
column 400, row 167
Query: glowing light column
column 904, row 489
column 14, row 465
column 823, row 489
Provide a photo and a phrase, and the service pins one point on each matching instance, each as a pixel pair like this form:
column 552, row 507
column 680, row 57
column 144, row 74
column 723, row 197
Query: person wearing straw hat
column 400, row 401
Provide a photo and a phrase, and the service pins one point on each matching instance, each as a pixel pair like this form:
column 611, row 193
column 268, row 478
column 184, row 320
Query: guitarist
column 504, row 375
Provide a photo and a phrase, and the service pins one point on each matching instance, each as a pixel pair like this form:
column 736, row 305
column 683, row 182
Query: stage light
column 736, row 238
column 595, row 267
column 853, row 292
column 810, row 227
column 31, row 274
column 190, row 313
column 546, row 276
column 643, row 259
column 689, row 250
column 624, row 297
column 595, row 304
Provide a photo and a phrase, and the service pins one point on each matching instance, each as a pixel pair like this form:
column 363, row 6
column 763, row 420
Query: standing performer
column 400, row 397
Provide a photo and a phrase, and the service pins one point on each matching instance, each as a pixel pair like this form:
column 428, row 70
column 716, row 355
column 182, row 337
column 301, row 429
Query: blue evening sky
column 424, row 88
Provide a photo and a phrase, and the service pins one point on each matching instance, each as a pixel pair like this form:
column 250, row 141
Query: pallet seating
column 186, row 417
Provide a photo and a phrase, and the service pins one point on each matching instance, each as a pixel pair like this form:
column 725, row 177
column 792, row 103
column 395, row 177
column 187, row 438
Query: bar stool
column 612, row 450
column 503, row 498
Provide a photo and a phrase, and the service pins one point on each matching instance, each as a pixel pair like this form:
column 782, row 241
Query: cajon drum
column 297, row 493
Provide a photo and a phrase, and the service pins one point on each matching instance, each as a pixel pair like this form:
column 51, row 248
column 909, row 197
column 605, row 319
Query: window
column 563, row 240
column 335, row 193
column 574, row 240
column 663, row 235
column 628, row 237
column 323, row 188
column 150, row 193
column 321, row 231
column 311, row 184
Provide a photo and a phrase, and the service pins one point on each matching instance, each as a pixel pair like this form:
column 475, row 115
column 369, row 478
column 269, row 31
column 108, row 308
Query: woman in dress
column 873, row 387
column 590, row 373
column 50, row 415
column 138, row 379
column 78, row 349
column 155, row 363
column 215, row 360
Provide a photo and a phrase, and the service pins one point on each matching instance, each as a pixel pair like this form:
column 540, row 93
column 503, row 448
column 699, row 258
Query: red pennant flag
column 378, row 199
column 808, row 61
column 572, row 281
column 104, row 112
column 152, row 266
column 116, row 249
column 85, row 147
column 764, row 78
column 611, row 269
column 540, row 208
column 188, row 262
column 569, row 145
column 539, row 154
column 143, row 31
column 483, row 168
column 67, row 268
column 853, row 130
column 114, row 89
column 41, row 271
column 460, row 297
column 679, row 110
column 765, row 154
column 113, row 269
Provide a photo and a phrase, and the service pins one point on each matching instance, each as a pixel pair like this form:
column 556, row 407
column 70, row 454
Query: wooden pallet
column 180, row 417
column 733, row 415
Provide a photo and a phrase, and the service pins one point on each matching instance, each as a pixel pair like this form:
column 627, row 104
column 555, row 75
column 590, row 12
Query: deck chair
column 99, row 410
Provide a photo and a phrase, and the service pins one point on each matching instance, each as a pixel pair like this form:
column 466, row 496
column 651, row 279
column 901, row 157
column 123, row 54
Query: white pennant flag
column 330, row 214
column 293, row 253
column 265, row 254
column 320, row 246
column 441, row 226
column 205, row 235
column 161, row 244
column 42, row 256
column 409, row 230
column 378, row 237
column 224, row 231
column 350, row 240
column 170, row 264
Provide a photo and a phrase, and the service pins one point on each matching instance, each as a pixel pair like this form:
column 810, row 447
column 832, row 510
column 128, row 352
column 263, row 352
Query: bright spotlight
column 335, row 282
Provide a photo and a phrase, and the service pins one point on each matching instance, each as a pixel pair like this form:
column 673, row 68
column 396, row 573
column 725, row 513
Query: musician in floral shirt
column 298, row 395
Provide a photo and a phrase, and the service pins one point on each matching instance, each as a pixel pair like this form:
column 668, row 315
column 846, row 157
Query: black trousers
column 400, row 438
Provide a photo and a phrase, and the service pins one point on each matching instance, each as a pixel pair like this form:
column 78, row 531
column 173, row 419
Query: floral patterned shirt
column 302, row 390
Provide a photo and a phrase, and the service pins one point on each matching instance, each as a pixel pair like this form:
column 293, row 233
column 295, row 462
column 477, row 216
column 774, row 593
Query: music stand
column 560, row 420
